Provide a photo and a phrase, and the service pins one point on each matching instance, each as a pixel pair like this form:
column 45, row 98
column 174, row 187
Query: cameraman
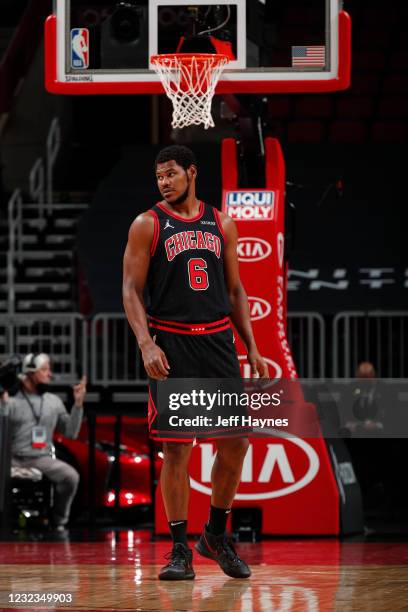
column 34, row 414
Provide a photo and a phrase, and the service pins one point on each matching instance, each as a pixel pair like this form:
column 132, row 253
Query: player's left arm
column 239, row 300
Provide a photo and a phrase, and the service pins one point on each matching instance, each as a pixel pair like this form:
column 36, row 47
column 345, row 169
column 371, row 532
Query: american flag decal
column 309, row 56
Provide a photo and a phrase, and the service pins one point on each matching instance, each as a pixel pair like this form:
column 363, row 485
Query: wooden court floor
column 120, row 573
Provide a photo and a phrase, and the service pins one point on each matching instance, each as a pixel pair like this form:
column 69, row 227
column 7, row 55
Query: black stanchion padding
column 91, row 468
column 116, row 467
column 5, row 467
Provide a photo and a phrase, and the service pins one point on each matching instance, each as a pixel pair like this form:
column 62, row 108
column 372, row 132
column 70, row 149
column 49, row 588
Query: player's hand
column 79, row 392
column 155, row 361
column 4, row 397
column 259, row 367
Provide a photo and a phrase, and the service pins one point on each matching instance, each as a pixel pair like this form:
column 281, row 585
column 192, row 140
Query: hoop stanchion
column 189, row 80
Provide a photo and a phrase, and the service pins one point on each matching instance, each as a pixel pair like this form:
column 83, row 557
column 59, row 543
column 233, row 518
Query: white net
column 189, row 81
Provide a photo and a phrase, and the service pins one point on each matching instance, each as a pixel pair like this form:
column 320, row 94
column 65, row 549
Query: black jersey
column 186, row 275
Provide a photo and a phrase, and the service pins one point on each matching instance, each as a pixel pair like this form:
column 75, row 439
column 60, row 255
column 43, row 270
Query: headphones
column 33, row 362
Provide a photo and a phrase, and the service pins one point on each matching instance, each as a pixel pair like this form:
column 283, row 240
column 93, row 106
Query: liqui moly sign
column 253, row 205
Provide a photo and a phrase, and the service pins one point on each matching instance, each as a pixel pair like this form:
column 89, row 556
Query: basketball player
column 185, row 252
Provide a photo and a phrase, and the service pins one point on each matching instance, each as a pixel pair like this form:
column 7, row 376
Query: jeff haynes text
column 231, row 421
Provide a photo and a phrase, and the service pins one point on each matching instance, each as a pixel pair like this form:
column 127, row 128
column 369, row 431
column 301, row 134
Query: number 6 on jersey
column 197, row 274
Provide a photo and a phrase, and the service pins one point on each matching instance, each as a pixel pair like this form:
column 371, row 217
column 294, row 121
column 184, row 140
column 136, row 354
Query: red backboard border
column 340, row 82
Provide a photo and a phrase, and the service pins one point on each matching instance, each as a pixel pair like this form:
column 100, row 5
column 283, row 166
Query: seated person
column 34, row 414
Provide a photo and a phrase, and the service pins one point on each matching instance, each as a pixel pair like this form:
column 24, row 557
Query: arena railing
column 62, row 335
column 116, row 360
column 115, row 356
column 41, row 190
column 380, row 337
column 307, row 340
column 41, row 173
column 15, row 246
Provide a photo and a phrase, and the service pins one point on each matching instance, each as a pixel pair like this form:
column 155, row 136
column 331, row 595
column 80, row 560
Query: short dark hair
column 183, row 156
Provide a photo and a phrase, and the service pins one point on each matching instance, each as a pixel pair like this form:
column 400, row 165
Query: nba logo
column 79, row 48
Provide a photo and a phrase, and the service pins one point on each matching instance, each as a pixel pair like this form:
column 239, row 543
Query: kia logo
column 251, row 249
column 258, row 308
column 277, row 457
column 275, row 371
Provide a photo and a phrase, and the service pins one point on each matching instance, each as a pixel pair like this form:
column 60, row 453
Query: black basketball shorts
column 196, row 350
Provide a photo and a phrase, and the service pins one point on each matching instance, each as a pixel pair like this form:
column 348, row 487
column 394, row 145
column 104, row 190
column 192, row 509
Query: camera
column 9, row 371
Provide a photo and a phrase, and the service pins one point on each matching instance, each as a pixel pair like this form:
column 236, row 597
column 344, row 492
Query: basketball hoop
column 189, row 80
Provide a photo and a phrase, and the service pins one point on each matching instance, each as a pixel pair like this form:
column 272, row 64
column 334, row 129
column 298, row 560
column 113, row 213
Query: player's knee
column 176, row 452
column 236, row 448
column 243, row 444
column 236, row 445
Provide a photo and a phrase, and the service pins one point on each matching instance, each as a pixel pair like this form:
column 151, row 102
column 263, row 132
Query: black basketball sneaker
column 180, row 565
column 221, row 550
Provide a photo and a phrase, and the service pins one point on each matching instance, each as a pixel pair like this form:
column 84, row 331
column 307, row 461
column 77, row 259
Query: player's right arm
column 135, row 269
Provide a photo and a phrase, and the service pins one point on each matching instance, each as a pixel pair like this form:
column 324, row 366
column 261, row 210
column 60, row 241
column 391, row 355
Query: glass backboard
column 273, row 45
